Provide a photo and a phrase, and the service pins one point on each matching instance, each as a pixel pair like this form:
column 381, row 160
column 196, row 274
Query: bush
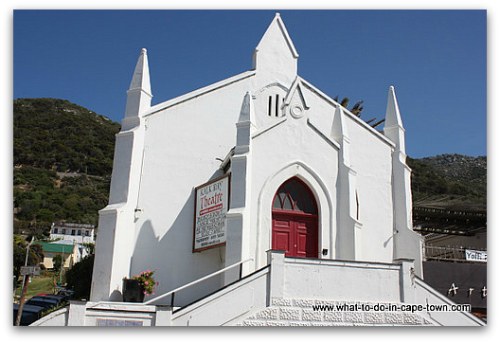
column 79, row 278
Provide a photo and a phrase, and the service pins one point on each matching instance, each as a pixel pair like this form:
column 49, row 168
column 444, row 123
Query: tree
column 57, row 261
column 19, row 249
column 79, row 278
column 356, row 109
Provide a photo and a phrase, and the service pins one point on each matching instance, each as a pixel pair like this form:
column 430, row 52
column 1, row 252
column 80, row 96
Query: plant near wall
column 146, row 281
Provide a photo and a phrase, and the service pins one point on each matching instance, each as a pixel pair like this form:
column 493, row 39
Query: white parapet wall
column 341, row 280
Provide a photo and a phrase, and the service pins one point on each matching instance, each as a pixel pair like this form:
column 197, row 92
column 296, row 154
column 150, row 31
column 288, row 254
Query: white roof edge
column 198, row 92
column 295, row 85
column 346, row 111
column 287, row 36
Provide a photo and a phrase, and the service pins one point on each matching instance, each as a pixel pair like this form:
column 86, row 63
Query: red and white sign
column 211, row 205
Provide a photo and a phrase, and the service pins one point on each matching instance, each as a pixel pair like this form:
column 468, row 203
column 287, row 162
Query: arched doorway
column 295, row 220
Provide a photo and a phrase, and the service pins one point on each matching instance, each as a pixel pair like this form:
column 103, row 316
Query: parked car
column 30, row 314
column 66, row 292
column 43, row 301
column 59, row 298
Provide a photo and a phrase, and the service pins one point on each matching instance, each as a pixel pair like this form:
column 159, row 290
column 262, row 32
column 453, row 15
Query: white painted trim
column 347, row 112
column 264, row 130
column 344, row 263
column 326, row 208
column 285, row 34
column 326, row 138
column 199, row 92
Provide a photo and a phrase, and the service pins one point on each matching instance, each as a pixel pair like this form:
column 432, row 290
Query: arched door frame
column 324, row 201
column 295, row 225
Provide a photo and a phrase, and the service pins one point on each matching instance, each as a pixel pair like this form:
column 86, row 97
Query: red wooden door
column 295, row 220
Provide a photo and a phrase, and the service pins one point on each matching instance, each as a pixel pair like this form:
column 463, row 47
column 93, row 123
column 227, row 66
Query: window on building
column 273, row 106
column 72, row 232
column 293, row 195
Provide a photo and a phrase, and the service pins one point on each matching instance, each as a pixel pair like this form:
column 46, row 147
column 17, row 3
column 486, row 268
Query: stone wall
column 300, row 312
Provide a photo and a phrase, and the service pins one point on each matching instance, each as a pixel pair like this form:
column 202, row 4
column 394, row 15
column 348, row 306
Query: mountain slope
column 450, row 181
column 63, row 155
column 59, row 135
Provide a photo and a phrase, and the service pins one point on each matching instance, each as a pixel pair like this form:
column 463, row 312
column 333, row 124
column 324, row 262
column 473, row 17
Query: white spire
column 139, row 93
column 245, row 125
column 247, row 113
column 339, row 129
column 393, row 126
column 392, row 115
column 275, row 55
column 277, row 26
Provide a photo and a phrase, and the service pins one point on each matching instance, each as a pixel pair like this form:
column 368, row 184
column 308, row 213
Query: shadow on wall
column 172, row 259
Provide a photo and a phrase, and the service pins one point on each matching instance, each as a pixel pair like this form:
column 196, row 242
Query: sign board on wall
column 476, row 255
column 211, row 205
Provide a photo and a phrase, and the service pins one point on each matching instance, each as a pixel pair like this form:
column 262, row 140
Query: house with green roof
column 52, row 249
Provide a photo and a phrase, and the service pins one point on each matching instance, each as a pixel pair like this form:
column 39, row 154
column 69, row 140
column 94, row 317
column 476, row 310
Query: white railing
column 172, row 292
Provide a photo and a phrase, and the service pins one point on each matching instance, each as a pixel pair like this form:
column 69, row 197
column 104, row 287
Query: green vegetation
column 57, row 135
column 43, row 284
column 454, row 180
column 79, row 278
column 19, row 251
column 63, row 155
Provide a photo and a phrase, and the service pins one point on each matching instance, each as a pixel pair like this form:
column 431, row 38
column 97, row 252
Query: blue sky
column 435, row 59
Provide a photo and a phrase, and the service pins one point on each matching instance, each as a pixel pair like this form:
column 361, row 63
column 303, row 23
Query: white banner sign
column 476, row 255
column 211, row 205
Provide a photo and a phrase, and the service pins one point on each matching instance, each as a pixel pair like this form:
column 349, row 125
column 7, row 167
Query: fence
column 446, row 253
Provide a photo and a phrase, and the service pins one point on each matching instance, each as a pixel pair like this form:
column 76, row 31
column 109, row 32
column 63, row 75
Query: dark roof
column 451, row 221
column 441, row 275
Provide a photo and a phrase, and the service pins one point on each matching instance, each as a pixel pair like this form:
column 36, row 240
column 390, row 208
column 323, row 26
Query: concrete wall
column 353, row 281
column 182, row 145
column 300, row 312
column 229, row 305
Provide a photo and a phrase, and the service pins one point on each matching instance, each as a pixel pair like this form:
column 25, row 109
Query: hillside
column 450, row 181
column 63, row 155
column 58, row 135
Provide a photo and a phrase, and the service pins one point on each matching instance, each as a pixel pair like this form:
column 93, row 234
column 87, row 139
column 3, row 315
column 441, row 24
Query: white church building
column 259, row 200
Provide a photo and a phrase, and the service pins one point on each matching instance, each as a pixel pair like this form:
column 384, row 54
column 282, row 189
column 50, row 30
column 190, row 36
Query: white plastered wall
column 181, row 150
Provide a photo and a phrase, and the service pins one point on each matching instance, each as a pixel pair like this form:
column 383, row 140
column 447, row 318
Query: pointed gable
column 295, row 100
column 275, row 54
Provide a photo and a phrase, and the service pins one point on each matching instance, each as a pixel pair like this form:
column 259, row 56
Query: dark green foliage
column 57, row 260
column 46, row 198
column 79, row 278
column 58, row 135
column 63, row 156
